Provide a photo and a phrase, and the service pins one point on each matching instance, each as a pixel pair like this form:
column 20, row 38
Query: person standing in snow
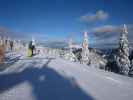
column 11, row 45
column 33, row 46
column 30, row 49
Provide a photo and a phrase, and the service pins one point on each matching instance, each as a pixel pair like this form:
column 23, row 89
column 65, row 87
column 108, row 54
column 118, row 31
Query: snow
column 49, row 78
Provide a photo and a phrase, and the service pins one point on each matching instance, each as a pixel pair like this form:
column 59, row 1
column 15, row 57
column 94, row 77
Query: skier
column 11, row 45
column 30, row 49
column 33, row 46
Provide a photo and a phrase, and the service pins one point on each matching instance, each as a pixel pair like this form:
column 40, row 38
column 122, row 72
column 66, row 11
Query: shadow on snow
column 46, row 84
column 9, row 62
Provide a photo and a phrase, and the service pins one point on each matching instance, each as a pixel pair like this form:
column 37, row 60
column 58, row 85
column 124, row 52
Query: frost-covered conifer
column 122, row 58
column 85, row 50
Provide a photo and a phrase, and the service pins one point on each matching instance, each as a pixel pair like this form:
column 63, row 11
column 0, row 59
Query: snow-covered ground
column 49, row 78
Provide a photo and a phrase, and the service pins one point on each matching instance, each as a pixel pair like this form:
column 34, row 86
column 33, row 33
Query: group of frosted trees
column 7, row 44
column 123, row 64
column 121, row 58
column 10, row 44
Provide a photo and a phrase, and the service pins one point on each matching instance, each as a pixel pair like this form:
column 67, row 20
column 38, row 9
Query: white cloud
column 100, row 15
column 105, row 28
column 8, row 33
column 110, row 34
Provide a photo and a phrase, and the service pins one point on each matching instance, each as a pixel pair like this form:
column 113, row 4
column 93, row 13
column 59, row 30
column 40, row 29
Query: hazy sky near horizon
column 62, row 19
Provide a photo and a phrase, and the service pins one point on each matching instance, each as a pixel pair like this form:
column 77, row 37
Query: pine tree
column 122, row 59
column 85, row 50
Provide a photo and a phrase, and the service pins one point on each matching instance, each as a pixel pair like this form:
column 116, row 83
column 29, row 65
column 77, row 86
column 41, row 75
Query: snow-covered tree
column 85, row 50
column 70, row 55
column 122, row 58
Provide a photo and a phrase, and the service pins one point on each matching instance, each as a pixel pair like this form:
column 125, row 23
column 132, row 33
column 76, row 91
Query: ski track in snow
column 48, row 78
column 114, row 80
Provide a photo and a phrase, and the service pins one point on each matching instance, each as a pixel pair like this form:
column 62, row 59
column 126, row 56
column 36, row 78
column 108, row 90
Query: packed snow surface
column 49, row 78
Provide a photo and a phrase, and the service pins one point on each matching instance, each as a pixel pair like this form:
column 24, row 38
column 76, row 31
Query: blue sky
column 62, row 19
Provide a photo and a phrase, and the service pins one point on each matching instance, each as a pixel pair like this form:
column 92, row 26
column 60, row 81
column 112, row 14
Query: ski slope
column 49, row 78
